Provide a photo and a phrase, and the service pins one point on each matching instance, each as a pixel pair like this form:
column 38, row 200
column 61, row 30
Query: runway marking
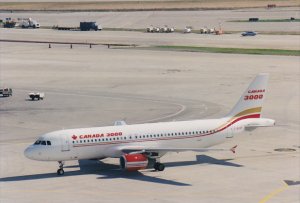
column 274, row 193
column 182, row 109
column 126, row 97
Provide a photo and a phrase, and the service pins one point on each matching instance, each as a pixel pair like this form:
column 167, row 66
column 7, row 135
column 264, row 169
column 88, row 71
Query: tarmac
column 86, row 87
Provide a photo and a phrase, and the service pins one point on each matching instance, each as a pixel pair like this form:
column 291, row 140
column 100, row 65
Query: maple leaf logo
column 74, row 137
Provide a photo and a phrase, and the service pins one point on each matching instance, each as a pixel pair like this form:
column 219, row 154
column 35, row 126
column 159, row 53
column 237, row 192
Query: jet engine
column 133, row 162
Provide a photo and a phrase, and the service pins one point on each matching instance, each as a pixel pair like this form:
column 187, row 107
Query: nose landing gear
column 61, row 171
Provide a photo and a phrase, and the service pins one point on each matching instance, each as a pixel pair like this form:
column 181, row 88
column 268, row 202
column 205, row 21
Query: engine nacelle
column 133, row 162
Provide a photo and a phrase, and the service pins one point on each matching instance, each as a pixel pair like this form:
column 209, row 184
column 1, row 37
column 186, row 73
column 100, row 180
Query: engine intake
column 133, row 162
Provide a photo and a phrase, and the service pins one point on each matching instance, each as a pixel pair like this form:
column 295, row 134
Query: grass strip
column 230, row 50
column 267, row 21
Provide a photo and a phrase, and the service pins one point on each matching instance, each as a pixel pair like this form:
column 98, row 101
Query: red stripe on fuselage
column 238, row 119
column 171, row 138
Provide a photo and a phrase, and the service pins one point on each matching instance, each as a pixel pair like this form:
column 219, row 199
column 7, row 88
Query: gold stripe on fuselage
column 243, row 113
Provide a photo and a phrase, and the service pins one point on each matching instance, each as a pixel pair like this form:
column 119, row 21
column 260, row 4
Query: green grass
column 230, row 50
column 267, row 20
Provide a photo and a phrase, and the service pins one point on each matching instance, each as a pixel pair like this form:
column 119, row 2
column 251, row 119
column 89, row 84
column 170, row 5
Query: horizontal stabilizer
column 260, row 122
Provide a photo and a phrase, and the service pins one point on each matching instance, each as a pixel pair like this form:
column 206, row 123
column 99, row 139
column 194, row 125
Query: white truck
column 28, row 23
column 187, row 29
column 6, row 92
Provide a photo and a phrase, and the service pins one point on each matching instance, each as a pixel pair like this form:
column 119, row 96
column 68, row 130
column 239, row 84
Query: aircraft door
column 65, row 143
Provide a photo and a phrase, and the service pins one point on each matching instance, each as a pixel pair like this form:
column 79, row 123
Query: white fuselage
column 101, row 142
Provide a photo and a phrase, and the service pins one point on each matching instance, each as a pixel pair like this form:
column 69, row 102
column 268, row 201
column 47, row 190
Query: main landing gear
column 61, row 171
column 159, row 166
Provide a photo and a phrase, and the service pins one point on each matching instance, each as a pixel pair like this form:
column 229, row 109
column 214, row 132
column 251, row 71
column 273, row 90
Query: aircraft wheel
column 159, row 166
column 60, row 172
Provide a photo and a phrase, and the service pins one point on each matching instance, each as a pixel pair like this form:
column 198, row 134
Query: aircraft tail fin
column 251, row 101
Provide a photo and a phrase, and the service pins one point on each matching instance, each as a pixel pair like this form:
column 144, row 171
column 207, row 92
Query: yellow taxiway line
column 274, row 193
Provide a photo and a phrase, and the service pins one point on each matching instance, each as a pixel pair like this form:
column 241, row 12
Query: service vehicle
column 249, row 33
column 6, row 92
column 36, row 95
column 28, row 23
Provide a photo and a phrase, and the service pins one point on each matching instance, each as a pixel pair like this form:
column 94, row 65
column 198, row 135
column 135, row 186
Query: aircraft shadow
column 112, row 171
column 203, row 159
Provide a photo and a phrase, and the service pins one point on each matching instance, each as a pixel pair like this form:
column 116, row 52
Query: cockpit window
column 42, row 142
column 37, row 142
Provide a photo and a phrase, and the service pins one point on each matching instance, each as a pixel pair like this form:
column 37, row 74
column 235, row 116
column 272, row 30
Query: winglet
column 233, row 149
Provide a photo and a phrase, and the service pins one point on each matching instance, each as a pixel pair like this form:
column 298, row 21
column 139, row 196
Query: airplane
column 141, row 146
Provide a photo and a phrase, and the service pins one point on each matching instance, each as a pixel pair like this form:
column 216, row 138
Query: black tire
column 160, row 167
column 60, row 172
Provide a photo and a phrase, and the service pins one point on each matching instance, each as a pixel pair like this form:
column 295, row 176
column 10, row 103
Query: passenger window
column 43, row 143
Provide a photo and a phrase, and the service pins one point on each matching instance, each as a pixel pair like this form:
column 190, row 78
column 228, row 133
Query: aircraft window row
column 143, row 136
column 42, row 142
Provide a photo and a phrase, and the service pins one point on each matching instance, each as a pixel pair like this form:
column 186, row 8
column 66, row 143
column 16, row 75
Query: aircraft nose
column 29, row 152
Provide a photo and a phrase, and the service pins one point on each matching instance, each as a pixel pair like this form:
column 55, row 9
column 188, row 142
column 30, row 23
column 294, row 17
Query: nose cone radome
column 30, row 153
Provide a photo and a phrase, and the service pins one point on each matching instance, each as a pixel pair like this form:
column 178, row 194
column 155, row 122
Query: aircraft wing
column 140, row 150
